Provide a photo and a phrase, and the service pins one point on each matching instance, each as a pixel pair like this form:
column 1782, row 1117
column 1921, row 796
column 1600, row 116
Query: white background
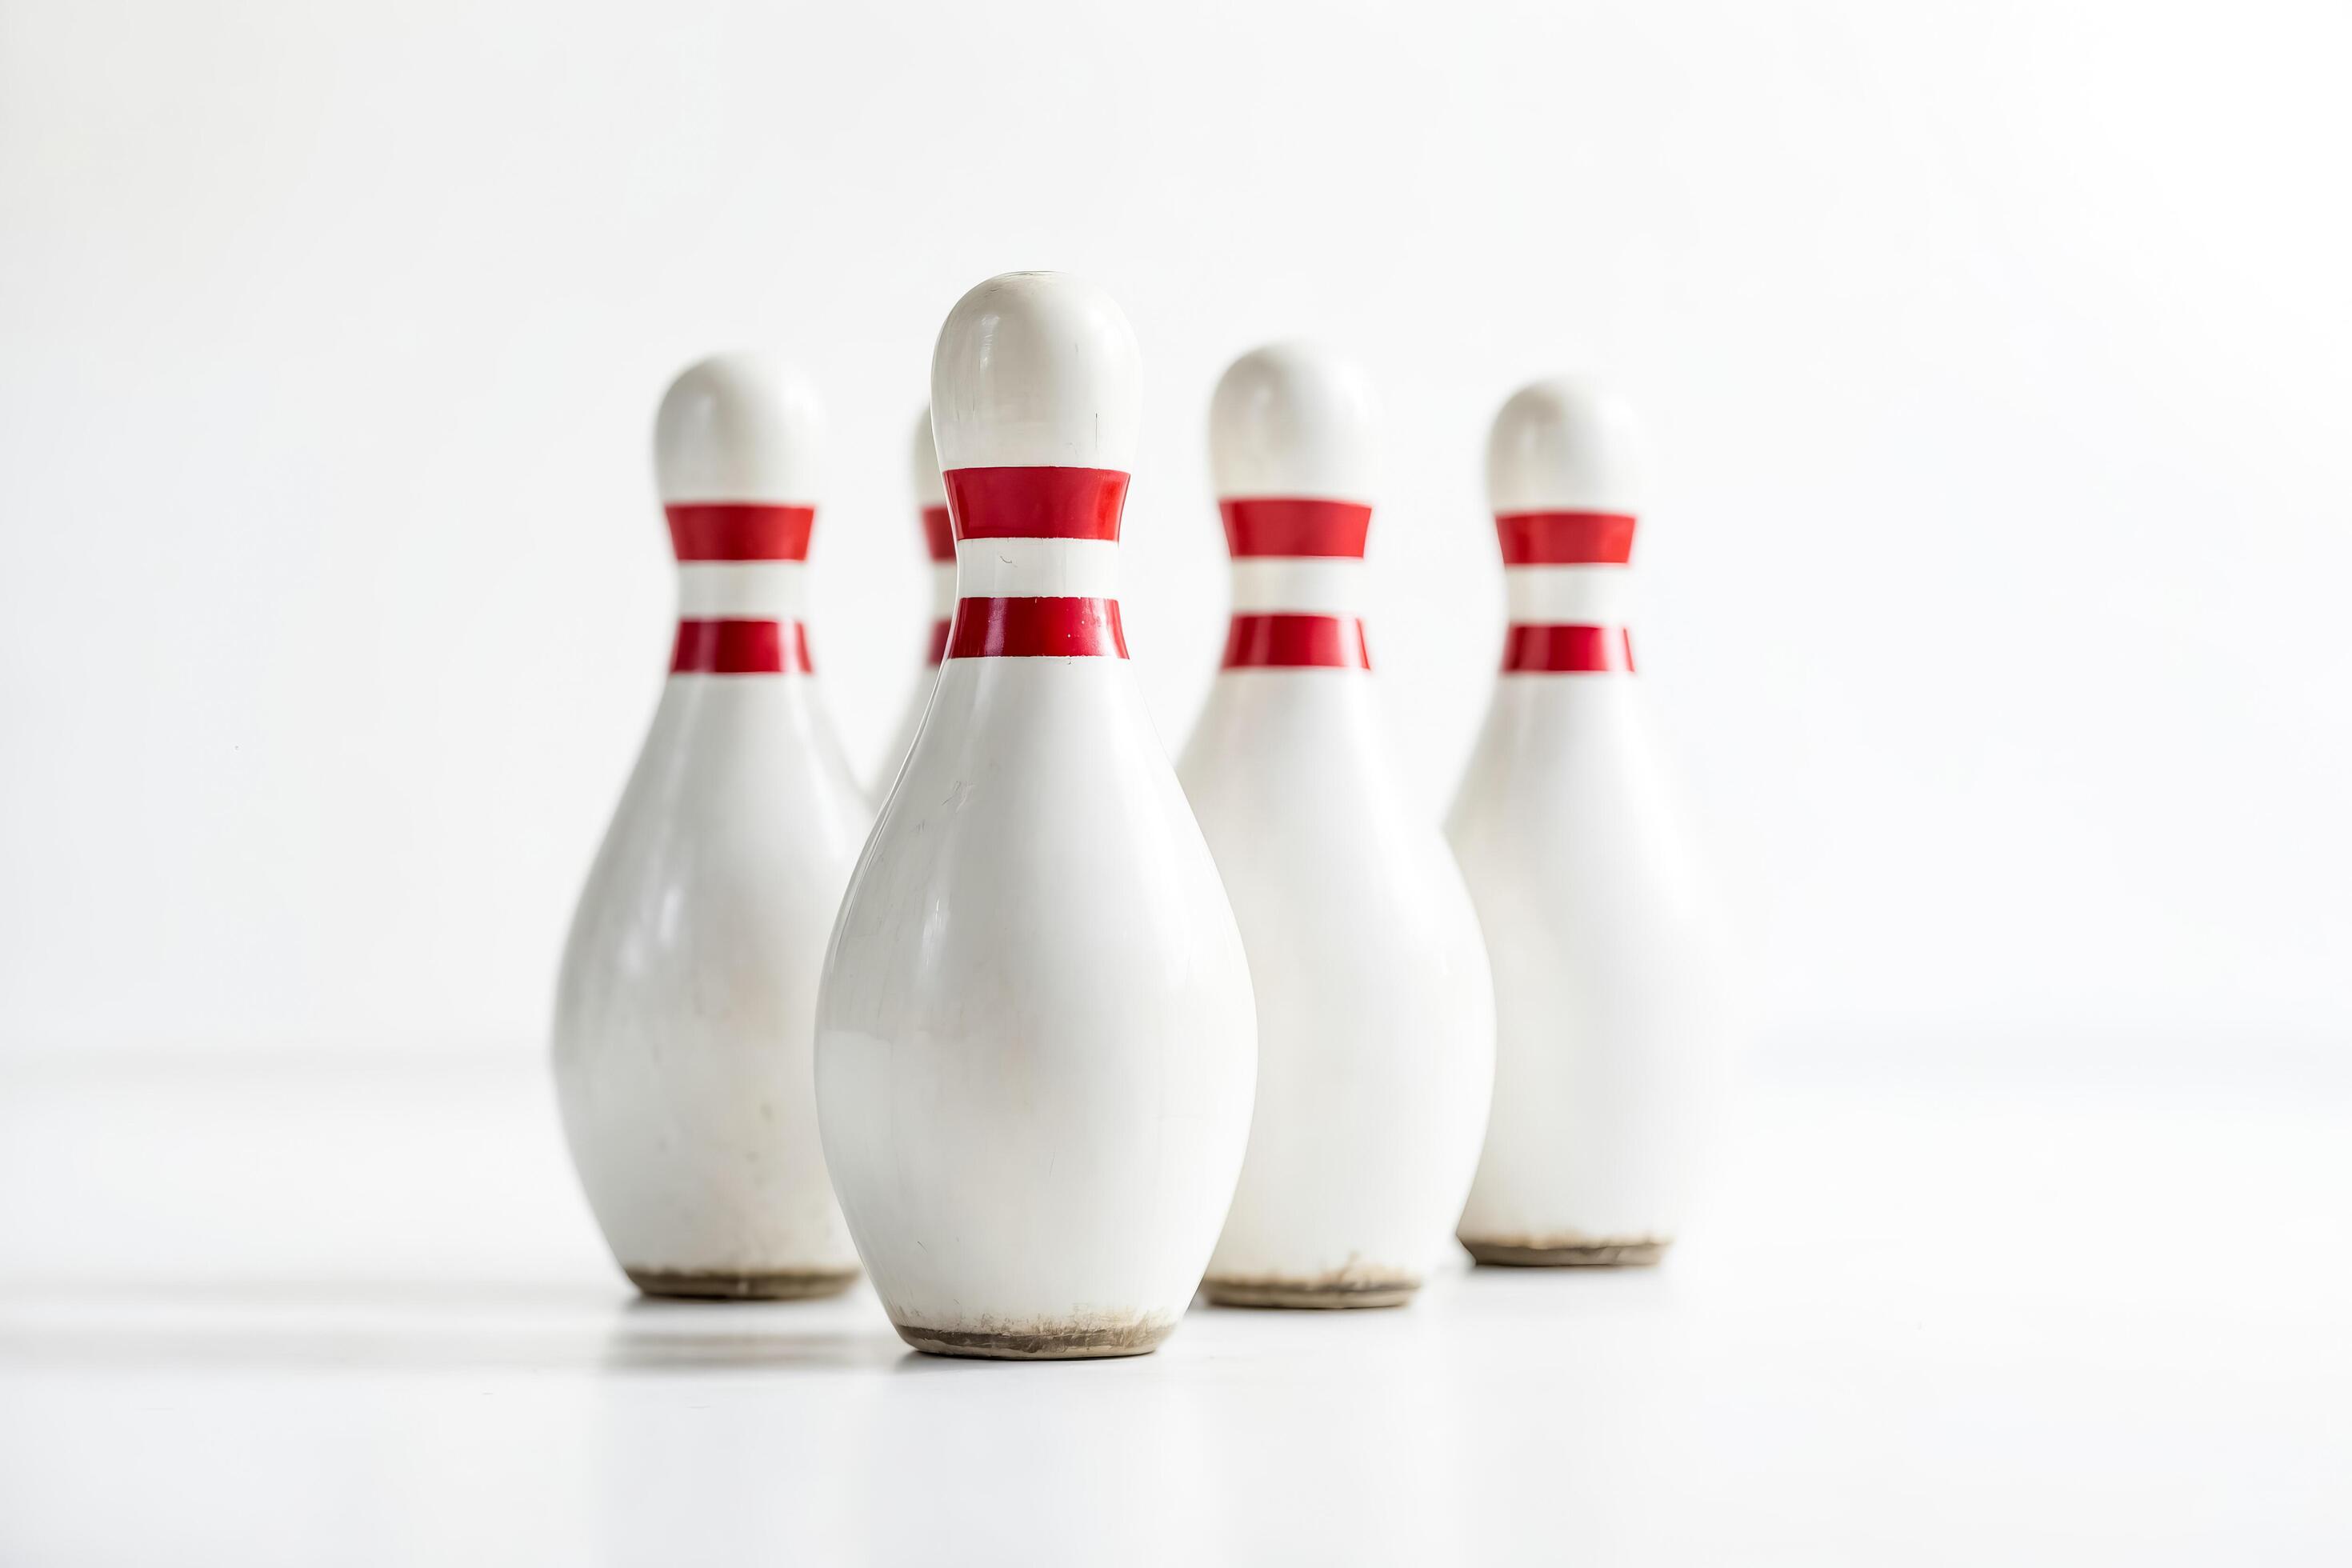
column 1997, row 358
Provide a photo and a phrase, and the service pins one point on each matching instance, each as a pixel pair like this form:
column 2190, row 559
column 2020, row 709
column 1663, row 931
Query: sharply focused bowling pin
column 1375, row 1014
column 931, row 496
column 684, row 1015
column 1036, row 1045
column 1608, row 968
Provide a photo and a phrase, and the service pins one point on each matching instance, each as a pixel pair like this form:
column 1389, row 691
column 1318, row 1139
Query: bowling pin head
column 1564, row 445
column 740, row 427
column 1563, row 475
column 737, row 446
column 1294, row 420
column 1035, row 407
column 1035, row 370
column 1294, row 433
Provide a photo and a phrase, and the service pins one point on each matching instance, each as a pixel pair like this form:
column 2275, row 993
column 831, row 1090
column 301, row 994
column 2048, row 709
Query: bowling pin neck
column 740, row 589
column 1298, row 583
column 1566, row 580
column 1036, row 563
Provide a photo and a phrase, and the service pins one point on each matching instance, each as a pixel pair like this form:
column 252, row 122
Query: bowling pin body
column 1609, row 965
column 686, row 1005
column 1375, row 1011
column 939, row 539
column 1035, row 1046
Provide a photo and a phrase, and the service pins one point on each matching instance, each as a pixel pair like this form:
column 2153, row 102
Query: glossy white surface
column 1036, row 1047
column 683, row 1011
column 1037, row 370
column 1611, row 969
column 352, row 1311
column 741, row 428
column 1375, row 1012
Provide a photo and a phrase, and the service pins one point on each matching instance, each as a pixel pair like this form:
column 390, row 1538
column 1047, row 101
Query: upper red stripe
column 1297, row 642
column 939, row 534
column 1528, row 648
column 739, row 531
column 1565, row 538
column 1282, row 526
column 1036, row 628
column 1035, row 504
column 739, row 647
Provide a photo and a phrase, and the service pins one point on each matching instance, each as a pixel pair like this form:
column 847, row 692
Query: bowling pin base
column 1295, row 1293
column 791, row 1284
column 1072, row 1343
column 1632, row 1252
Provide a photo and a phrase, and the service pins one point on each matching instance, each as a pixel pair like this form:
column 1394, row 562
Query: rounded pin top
column 1037, row 370
column 929, row 488
column 1562, row 445
column 740, row 427
column 1295, row 420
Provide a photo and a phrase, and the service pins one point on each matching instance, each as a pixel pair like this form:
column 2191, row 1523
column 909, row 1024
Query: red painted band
column 1528, row 648
column 1035, row 504
column 739, row 531
column 938, row 640
column 1297, row 642
column 1565, row 538
column 939, row 534
column 1286, row 527
column 1036, row 628
column 739, row 647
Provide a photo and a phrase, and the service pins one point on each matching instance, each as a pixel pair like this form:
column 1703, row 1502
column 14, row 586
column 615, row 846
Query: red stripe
column 1289, row 527
column 1036, row 628
column 1531, row 648
column 938, row 640
column 739, row 531
column 938, row 532
column 1035, row 504
column 1297, row 642
column 1565, row 538
column 739, row 647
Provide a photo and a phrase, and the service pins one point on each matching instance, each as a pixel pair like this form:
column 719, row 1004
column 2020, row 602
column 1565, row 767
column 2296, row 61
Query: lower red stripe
column 1297, row 642
column 1546, row 649
column 938, row 641
column 1036, row 628
column 741, row 647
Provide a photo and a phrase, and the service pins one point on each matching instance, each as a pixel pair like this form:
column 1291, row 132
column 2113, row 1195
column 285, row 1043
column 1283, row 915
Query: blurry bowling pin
column 1609, row 969
column 1375, row 1014
column 932, row 496
column 1035, row 1044
column 684, row 1015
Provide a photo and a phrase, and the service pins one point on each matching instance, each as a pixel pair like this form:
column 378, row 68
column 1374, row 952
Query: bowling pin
column 931, row 499
column 1375, row 1012
column 1609, row 967
column 1035, row 1042
column 684, row 1013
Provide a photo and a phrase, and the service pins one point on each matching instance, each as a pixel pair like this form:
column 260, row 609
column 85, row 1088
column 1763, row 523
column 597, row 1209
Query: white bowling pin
column 1375, row 1013
column 1608, row 968
column 931, row 498
column 683, row 1019
column 1035, row 1046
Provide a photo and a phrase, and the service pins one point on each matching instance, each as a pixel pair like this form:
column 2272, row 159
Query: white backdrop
column 1999, row 363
